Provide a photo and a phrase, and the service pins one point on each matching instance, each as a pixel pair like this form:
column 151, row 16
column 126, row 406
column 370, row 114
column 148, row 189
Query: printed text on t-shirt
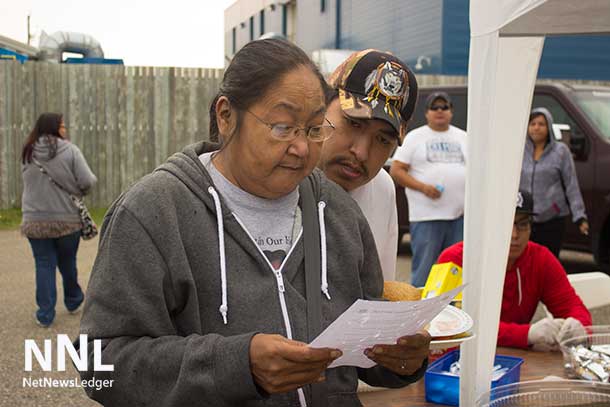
column 444, row 152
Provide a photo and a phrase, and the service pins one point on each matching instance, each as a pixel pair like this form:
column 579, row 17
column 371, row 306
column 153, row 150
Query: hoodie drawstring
column 224, row 308
column 519, row 285
column 321, row 206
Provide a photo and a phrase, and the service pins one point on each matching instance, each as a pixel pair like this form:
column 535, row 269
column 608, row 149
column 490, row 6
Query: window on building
column 284, row 19
column 251, row 28
column 262, row 22
column 322, row 6
column 234, row 40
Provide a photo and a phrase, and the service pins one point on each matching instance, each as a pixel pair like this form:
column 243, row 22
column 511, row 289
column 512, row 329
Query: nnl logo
column 79, row 358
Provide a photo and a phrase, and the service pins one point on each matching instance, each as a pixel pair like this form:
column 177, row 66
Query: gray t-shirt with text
column 272, row 223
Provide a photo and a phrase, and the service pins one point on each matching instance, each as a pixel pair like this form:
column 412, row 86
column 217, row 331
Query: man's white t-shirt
column 377, row 200
column 435, row 158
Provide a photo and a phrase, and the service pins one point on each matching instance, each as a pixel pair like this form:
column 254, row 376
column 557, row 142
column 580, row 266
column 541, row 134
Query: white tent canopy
column 507, row 37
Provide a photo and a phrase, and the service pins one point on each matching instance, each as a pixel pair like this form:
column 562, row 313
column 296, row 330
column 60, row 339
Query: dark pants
column 49, row 254
column 550, row 234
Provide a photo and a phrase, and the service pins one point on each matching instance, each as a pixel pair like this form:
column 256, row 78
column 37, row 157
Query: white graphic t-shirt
column 272, row 223
column 439, row 159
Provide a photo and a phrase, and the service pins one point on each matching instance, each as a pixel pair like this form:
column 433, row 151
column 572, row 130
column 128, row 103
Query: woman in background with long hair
column 50, row 219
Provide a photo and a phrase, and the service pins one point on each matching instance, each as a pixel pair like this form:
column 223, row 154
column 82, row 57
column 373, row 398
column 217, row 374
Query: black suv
column 582, row 121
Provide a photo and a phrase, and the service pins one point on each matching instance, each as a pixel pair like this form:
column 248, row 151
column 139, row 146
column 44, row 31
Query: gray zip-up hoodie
column 176, row 311
column 552, row 179
column 42, row 200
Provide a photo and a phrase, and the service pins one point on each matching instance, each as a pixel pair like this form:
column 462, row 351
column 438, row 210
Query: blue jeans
column 50, row 254
column 428, row 240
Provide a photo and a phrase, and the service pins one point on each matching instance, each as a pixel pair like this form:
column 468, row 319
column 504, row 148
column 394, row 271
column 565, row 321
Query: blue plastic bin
column 442, row 388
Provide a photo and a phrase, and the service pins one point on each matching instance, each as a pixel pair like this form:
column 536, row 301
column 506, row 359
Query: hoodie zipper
column 277, row 273
column 533, row 176
column 281, row 289
column 547, row 145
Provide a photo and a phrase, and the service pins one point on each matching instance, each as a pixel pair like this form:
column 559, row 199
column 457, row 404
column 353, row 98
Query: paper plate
column 450, row 321
column 449, row 343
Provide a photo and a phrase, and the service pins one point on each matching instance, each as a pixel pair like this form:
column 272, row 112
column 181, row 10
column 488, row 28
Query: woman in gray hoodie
column 201, row 287
column 548, row 174
column 50, row 219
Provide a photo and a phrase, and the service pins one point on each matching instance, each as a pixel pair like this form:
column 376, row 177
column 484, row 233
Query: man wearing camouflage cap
column 372, row 98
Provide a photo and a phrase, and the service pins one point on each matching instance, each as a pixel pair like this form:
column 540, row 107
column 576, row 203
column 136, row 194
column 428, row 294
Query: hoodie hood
column 44, row 146
column 186, row 166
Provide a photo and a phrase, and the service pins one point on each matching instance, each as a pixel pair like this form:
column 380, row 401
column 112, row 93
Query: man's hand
column 400, row 173
column 542, row 335
column 430, row 191
column 405, row 357
column 584, row 228
column 280, row 365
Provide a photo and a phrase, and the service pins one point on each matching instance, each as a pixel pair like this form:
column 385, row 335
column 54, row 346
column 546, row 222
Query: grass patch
column 11, row 218
column 98, row 215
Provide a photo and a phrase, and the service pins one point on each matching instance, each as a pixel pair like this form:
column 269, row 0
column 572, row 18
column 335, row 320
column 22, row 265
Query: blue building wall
column 563, row 57
column 578, row 57
column 406, row 28
column 435, row 32
column 7, row 54
column 409, row 29
column 455, row 37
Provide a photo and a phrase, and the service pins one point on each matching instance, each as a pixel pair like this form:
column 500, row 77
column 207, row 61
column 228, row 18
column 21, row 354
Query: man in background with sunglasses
column 431, row 166
column 533, row 275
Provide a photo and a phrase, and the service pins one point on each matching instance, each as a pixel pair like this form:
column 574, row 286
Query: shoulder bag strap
column 57, row 184
column 313, row 282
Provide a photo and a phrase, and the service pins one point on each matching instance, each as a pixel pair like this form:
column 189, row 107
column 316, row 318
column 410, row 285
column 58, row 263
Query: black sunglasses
column 437, row 108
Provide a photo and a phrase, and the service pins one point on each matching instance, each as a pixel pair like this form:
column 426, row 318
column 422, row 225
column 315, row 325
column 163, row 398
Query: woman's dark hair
column 47, row 125
column 253, row 70
column 537, row 114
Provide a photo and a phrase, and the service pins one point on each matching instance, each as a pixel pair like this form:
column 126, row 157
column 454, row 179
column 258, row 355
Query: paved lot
column 17, row 305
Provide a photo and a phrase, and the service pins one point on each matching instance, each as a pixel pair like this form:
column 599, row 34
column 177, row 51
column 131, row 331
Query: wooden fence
column 125, row 120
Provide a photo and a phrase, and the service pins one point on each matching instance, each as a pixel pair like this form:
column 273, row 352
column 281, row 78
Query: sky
column 185, row 33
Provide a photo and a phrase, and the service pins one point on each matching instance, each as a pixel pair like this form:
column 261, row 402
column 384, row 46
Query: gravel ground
column 17, row 306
